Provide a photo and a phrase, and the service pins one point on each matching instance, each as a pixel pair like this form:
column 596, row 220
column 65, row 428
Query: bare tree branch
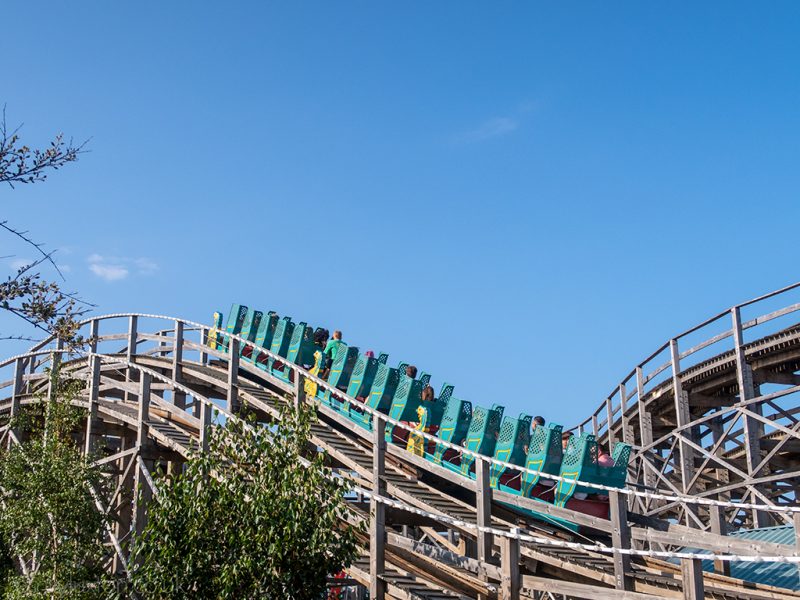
column 20, row 164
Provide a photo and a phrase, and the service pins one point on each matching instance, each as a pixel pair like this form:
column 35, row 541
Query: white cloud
column 115, row 268
column 494, row 127
column 109, row 272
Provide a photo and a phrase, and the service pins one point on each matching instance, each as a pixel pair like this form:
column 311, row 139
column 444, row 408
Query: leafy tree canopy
column 247, row 519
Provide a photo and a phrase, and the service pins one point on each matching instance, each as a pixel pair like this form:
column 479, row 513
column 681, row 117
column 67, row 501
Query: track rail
column 186, row 379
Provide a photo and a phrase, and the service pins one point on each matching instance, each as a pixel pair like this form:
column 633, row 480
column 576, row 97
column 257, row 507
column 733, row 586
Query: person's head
column 369, row 354
column 411, row 371
column 565, row 437
column 320, row 336
column 337, row 335
column 538, row 421
column 427, row 394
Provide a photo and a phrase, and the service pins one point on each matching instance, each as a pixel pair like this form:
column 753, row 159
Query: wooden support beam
column 94, row 394
column 719, row 527
column 692, row 576
column 377, row 524
column 752, row 429
column 299, row 388
column 133, row 323
column 645, row 427
column 570, row 589
column 483, row 506
column 16, row 392
column 205, row 424
column 233, row 375
column 141, row 490
column 620, row 538
column 683, row 417
column 203, row 344
column 178, row 396
column 509, row 565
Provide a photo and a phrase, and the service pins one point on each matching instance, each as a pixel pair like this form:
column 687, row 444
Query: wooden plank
column 509, row 566
column 377, row 538
column 620, row 538
column 692, row 577
column 657, row 531
column 94, row 392
column 719, row 527
column 578, row 590
column 233, row 376
column 744, row 378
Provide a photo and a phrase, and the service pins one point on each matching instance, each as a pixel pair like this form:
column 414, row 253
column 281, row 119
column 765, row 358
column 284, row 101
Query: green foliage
column 49, row 523
column 247, row 520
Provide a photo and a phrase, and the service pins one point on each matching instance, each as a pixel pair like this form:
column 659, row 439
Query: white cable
column 368, row 409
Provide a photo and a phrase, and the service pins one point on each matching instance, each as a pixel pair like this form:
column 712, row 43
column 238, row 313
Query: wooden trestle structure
column 710, row 418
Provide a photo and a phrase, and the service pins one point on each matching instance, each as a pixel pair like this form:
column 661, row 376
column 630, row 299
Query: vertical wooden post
column 682, row 418
column 133, row 323
column 483, row 504
column 178, row 397
column 94, row 333
column 377, row 541
column 55, row 366
column 744, row 377
column 609, row 425
column 595, row 426
column 510, row 582
column 94, row 394
column 719, row 527
column 645, row 428
column 692, row 575
column 16, row 392
column 233, row 375
column 796, row 521
column 141, row 488
column 627, row 432
column 205, row 423
column 299, row 388
column 203, row 343
column 620, row 538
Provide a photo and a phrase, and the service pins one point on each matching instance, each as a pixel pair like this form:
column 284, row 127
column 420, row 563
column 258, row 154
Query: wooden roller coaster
column 461, row 503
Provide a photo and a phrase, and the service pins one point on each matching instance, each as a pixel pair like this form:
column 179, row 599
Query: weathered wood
column 94, row 394
column 692, row 576
column 299, row 389
column 483, row 505
column 719, row 527
column 205, row 424
column 377, row 541
column 752, row 429
column 657, row 531
column 130, row 354
column 142, row 491
column 233, row 375
column 683, row 417
column 620, row 538
column 509, row 565
column 17, row 391
column 178, row 396
column 203, row 345
column 578, row 590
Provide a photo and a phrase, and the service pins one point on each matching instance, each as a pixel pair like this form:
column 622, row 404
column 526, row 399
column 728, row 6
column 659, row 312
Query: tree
column 28, row 295
column 49, row 523
column 247, row 520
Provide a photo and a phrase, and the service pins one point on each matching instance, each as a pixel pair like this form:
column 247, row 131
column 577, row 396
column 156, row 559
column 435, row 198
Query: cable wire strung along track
column 151, row 392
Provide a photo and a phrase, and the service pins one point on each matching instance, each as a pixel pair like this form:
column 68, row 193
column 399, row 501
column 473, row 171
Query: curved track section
column 713, row 413
column 153, row 386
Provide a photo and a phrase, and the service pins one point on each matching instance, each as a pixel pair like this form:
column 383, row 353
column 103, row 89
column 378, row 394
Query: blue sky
column 524, row 199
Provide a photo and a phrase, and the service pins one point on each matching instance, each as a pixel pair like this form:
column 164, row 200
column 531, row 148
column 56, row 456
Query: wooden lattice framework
column 152, row 385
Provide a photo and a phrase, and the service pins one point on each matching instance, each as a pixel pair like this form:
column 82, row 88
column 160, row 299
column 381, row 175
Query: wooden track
column 422, row 562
